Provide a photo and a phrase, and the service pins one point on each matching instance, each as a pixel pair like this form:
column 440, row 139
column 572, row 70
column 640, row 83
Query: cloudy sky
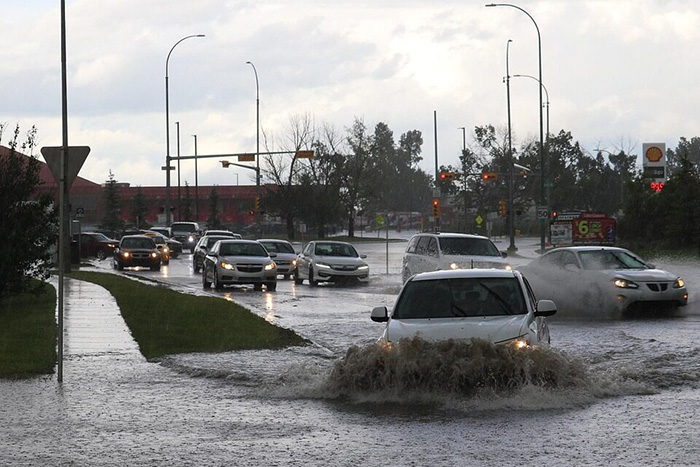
column 619, row 73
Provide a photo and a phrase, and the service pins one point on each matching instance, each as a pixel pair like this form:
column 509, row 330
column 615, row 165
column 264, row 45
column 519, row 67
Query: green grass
column 165, row 322
column 28, row 334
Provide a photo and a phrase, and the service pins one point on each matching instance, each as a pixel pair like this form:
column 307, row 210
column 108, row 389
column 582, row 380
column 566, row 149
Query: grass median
column 165, row 322
column 28, row 334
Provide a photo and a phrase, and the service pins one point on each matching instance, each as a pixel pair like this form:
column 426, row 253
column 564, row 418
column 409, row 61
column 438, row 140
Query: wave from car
column 609, row 281
column 491, row 304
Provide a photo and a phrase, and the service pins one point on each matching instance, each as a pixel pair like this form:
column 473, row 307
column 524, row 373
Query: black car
column 137, row 250
column 187, row 233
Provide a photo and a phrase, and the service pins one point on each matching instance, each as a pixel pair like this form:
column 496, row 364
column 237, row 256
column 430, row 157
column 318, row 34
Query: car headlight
column 625, row 284
column 190, row 238
column 166, row 249
column 508, row 267
column 125, row 254
column 154, row 254
column 270, row 266
column 294, row 262
column 454, row 266
column 228, row 266
column 679, row 283
column 322, row 266
column 364, row 267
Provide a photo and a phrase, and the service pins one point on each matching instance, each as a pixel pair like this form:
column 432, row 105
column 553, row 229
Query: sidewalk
column 93, row 324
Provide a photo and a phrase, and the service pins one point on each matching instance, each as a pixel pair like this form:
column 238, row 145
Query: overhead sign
column 246, row 158
column 654, row 161
column 75, row 157
column 305, row 154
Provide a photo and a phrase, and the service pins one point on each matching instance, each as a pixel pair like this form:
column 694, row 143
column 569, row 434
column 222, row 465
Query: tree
column 111, row 219
column 29, row 226
column 139, row 210
column 213, row 221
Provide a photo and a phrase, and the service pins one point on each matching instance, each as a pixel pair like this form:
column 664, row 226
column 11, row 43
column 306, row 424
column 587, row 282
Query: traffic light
column 445, row 175
column 225, row 164
column 502, row 208
column 489, row 176
column 257, row 203
column 554, row 215
column 251, row 212
column 436, row 207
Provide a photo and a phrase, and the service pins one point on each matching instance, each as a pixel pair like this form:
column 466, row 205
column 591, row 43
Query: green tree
column 29, row 224
column 139, row 210
column 111, row 219
column 214, row 221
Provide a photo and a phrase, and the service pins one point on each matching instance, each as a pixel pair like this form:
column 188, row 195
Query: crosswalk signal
column 436, row 208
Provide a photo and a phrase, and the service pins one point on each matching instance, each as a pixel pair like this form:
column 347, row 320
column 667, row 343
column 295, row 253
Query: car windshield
column 100, row 237
column 242, row 249
column 182, row 228
column 158, row 239
column 468, row 246
column 278, row 247
column 464, row 297
column 610, row 259
column 212, row 240
column 335, row 249
column 145, row 243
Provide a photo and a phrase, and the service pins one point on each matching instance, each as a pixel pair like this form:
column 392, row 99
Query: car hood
column 285, row 256
column 471, row 261
column 246, row 259
column 340, row 260
column 643, row 275
column 493, row 328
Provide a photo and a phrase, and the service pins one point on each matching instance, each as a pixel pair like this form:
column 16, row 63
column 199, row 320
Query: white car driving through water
column 491, row 304
column 598, row 280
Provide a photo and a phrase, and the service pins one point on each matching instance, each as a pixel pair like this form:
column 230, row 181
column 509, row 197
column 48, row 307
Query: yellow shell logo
column 654, row 154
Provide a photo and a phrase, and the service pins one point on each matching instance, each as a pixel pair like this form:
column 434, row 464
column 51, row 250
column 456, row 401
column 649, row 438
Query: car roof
column 588, row 248
column 338, row 242
column 237, row 240
column 272, row 240
column 450, row 235
column 465, row 274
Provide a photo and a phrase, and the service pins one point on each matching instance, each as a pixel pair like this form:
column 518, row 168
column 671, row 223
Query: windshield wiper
column 501, row 301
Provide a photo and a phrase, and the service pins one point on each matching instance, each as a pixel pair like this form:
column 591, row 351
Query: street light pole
column 196, row 183
column 542, row 168
column 167, row 167
column 179, row 199
column 511, row 161
column 464, row 138
column 257, row 127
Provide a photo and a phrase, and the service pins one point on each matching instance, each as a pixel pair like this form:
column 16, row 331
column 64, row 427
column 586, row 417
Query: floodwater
column 615, row 392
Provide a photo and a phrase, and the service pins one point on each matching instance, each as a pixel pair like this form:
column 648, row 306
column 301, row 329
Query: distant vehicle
column 286, row 259
column 232, row 262
column 203, row 246
column 330, row 261
column 96, row 244
column 165, row 231
column 224, row 233
column 187, row 233
column 440, row 251
column 136, row 250
column 594, row 279
column 492, row 304
column 174, row 246
column 162, row 245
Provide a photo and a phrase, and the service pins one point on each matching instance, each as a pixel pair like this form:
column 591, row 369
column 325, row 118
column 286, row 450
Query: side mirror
column 273, row 255
column 204, row 247
column 380, row 314
column 504, row 254
column 652, row 266
column 545, row 308
column 363, row 256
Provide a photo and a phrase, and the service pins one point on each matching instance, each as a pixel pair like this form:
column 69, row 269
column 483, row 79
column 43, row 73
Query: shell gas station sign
column 654, row 164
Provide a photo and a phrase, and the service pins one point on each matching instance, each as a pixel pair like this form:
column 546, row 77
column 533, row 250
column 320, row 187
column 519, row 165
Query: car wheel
column 120, row 266
column 155, row 267
column 285, row 276
column 257, row 286
column 271, row 286
column 166, row 262
column 297, row 280
column 195, row 266
column 101, row 255
column 205, row 283
column 312, row 282
column 217, row 282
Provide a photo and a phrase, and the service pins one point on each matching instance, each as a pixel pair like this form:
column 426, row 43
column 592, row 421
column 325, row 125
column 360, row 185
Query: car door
column 304, row 260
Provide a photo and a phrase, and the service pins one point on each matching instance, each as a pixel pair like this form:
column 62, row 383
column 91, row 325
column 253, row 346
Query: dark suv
column 187, row 233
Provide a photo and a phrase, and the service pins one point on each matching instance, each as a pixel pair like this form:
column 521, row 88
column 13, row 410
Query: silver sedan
column 231, row 262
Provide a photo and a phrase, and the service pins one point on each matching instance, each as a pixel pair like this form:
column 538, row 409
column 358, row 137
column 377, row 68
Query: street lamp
column 167, row 167
column 511, row 160
column 196, row 183
column 542, row 171
column 464, row 138
column 257, row 127
column 179, row 198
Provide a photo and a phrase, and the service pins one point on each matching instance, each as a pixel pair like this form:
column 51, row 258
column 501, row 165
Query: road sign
column 75, row 157
column 79, row 213
column 246, row 158
column 305, row 154
column 165, row 167
column 542, row 212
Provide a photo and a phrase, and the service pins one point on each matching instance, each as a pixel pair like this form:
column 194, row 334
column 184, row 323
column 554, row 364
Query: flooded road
column 607, row 392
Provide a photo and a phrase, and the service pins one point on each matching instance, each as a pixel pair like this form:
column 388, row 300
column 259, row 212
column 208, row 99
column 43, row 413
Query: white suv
column 439, row 251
